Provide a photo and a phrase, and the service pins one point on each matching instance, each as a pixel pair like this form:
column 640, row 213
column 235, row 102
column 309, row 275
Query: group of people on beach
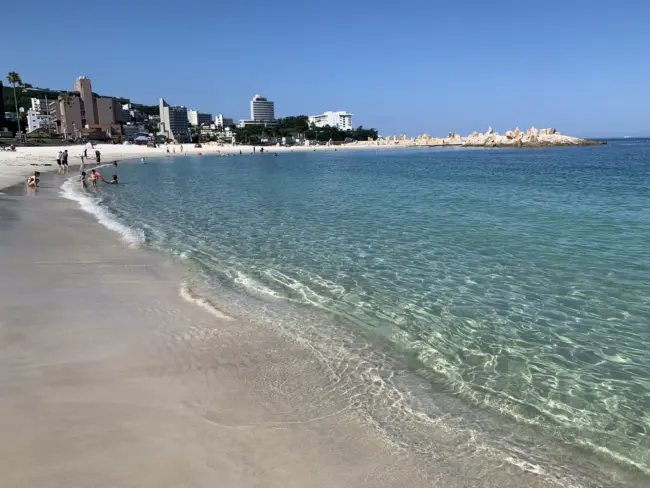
column 62, row 158
column 174, row 148
column 94, row 177
column 62, row 163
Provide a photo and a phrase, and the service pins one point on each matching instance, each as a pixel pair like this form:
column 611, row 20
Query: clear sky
column 403, row 67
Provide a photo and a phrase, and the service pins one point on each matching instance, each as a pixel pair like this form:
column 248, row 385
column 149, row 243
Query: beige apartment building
column 80, row 112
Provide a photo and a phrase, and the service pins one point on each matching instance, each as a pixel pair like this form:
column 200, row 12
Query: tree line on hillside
column 299, row 127
column 19, row 94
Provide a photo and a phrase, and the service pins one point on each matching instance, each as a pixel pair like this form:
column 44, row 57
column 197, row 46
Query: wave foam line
column 130, row 235
column 186, row 294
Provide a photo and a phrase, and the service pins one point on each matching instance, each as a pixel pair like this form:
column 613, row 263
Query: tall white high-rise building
column 262, row 110
column 173, row 122
column 342, row 120
column 197, row 118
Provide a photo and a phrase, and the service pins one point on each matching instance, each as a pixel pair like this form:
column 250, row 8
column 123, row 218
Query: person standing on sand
column 98, row 156
column 64, row 160
column 82, row 160
column 58, row 160
column 85, row 152
column 181, row 148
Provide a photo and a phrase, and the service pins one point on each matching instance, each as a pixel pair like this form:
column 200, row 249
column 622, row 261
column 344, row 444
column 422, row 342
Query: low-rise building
column 247, row 123
column 40, row 105
column 223, row 122
column 132, row 114
column 101, row 132
column 131, row 131
column 37, row 121
column 341, row 120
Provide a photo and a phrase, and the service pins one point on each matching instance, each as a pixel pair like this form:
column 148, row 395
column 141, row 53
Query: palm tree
column 14, row 79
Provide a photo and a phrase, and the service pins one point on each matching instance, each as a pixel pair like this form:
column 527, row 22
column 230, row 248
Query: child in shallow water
column 95, row 176
column 113, row 180
column 84, row 184
column 32, row 181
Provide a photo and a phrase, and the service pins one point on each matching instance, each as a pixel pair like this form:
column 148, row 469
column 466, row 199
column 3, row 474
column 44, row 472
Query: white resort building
column 41, row 105
column 262, row 110
column 196, row 118
column 342, row 120
column 222, row 122
column 36, row 120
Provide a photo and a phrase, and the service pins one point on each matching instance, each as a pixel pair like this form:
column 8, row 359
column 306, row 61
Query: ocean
column 500, row 296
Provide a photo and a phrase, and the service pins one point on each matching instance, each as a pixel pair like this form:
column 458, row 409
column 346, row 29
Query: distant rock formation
column 512, row 138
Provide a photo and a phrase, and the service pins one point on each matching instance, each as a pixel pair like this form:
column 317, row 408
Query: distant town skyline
column 413, row 67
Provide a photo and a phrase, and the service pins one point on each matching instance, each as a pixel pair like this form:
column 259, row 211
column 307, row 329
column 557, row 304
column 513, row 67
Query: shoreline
column 147, row 287
column 16, row 166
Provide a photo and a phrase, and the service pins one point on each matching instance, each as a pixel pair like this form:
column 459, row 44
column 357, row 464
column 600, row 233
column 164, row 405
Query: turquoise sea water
column 501, row 290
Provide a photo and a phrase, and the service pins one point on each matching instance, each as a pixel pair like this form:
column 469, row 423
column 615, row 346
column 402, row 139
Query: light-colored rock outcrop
column 532, row 137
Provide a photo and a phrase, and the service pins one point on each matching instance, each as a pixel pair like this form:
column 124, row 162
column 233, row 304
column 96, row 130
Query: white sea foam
column 70, row 190
column 187, row 294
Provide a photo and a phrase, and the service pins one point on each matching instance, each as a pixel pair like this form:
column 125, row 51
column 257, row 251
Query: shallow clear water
column 517, row 282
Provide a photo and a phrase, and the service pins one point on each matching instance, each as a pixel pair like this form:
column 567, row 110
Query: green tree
column 14, row 79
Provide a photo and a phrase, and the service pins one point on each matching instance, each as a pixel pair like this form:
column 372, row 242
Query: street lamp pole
column 17, row 115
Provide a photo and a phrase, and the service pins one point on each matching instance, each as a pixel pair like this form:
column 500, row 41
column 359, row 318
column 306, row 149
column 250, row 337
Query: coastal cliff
column 532, row 137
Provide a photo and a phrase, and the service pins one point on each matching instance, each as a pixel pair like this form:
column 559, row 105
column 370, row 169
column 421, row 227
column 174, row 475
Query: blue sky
column 404, row 67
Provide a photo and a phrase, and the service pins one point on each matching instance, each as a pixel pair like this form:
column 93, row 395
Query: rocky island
column 532, row 137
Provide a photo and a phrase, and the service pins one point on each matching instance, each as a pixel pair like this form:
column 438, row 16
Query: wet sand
column 108, row 377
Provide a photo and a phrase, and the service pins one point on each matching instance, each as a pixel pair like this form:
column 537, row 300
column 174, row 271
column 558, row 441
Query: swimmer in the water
column 113, row 181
